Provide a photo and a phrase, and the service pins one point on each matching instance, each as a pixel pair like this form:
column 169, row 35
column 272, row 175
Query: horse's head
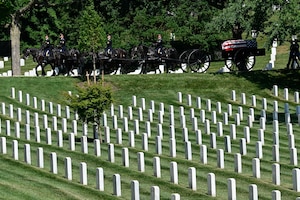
column 140, row 51
column 119, row 53
column 74, row 54
column 26, row 53
column 171, row 53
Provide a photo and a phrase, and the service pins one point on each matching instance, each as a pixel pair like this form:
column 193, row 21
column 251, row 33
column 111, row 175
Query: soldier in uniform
column 47, row 46
column 159, row 45
column 62, row 43
column 108, row 49
column 294, row 54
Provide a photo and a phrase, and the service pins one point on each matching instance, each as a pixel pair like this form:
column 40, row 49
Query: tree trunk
column 15, row 46
column 94, row 66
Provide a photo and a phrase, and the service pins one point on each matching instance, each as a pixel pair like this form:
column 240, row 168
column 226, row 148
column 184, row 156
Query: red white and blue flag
column 230, row 45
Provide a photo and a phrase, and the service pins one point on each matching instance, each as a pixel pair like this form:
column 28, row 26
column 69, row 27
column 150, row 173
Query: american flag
column 230, row 45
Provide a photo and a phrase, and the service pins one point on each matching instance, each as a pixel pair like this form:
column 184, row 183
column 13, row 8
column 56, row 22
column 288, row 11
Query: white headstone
column 125, row 157
column 15, row 150
column 135, row 190
column 53, row 163
column 155, row 193
column 83, row 173
column 100, row 179
column 276, row 174
column 192, row 178
column 40, row 157
column 238, row 163
column 111, row 153
column 156, row 167
column 173, row 172
column 68, row 168
column 117, row 185
column 296, row 179
column 231, row 184
column 27, row 153
column 256, row 167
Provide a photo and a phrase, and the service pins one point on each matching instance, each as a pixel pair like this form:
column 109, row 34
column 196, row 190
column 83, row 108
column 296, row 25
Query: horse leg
column 53, row 70
column 36, row 70
column 43, row 69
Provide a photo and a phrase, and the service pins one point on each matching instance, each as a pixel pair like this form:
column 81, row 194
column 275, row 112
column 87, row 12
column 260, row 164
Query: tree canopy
column 194, row 23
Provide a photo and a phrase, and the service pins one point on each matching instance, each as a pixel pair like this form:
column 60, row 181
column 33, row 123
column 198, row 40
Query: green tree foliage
column 90, row 101
column 6, row 7
column 91, row 36
column 195, row 23
column 252, row 15
column 285, row 21
column 276, row 19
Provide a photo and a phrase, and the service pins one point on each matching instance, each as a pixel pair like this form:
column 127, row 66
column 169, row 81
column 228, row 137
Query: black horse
column 145, row 57
column 100, row 62
column 53, row 59
column 114, row 63
column 71, row 59
column 171, row 59
column 150, row 60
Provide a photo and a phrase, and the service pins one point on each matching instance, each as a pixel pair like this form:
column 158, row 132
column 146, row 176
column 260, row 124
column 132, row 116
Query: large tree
column 285, row 22
column 274, row 18
column 16, row 10
column 91, row 36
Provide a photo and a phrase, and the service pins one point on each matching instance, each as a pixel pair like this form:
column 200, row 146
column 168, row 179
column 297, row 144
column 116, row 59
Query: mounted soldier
column 62, row 43
column 47, row 47
column 159, row 45
column 108, row 49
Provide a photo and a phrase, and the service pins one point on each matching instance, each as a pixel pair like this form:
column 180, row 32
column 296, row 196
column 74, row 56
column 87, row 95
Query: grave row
column 207, row 127
column 238, row 117
column 213, row 136
column 227, row 147
column 152, row 103
column 9, row 72
column 160, row 135
column 188, row 151
column 183, row 122
column 213, row 120
column 192, row 183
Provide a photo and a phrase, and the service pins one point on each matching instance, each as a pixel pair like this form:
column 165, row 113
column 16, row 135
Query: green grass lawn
column 24, row 181
column 21, row 180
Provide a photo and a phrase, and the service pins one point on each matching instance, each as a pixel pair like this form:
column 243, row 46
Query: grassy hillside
column 21, row 180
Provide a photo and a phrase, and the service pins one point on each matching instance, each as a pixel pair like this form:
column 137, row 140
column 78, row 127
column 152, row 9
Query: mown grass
column 160, row 88
column 21, row 180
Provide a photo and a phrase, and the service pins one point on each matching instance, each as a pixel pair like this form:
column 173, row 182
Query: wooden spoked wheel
column 184, row 59
column 198, row 61
column 241, row 61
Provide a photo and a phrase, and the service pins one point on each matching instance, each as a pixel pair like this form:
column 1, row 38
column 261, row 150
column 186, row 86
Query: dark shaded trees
column 194, row 23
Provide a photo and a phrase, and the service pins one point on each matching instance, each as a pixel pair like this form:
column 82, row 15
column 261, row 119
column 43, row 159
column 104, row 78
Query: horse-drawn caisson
column 238, row 55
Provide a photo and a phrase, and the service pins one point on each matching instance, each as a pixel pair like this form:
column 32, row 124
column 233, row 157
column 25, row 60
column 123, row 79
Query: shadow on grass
column 283, row 78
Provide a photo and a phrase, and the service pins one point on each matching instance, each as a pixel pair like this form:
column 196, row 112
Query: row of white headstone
column 271, row 64
column 9, row 72
column 192, row 182
column 148, row 128
column 159, row 137
column 203, row 153
column 172, row 131
column 142, row 106
column 147, row 123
